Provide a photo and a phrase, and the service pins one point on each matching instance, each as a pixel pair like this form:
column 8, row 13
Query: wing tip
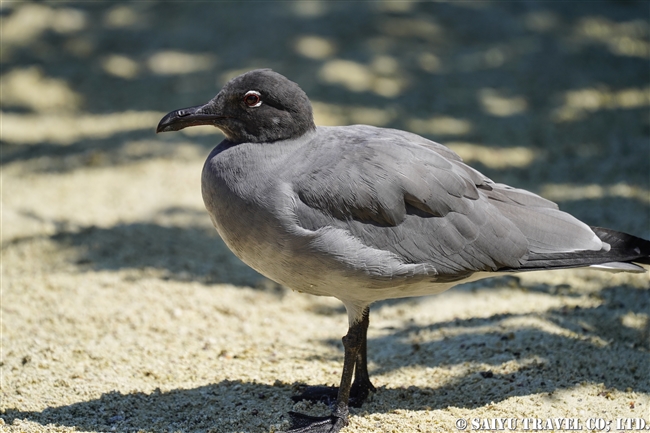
column 619, row 267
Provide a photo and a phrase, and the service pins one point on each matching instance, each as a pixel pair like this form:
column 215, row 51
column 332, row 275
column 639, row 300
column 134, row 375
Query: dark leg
column 353, row 343
column 361, row 387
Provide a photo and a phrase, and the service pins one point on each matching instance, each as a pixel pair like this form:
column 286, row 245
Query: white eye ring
column 252, row 98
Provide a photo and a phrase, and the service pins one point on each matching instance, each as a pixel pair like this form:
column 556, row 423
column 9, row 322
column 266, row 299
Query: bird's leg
column 352, row 343
column 361, row 387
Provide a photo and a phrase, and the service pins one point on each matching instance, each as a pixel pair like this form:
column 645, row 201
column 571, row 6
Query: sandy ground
column 122, row 310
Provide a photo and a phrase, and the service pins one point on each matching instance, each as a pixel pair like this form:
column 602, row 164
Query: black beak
column 190, row 116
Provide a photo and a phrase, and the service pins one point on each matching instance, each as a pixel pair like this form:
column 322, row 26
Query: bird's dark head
column 258, row 106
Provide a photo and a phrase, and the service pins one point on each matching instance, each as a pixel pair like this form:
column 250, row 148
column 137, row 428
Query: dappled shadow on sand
column 545, row 341
column 537, row 362
column 121, row 149
column 185, row 253
column 190, row 251
column 564, row 79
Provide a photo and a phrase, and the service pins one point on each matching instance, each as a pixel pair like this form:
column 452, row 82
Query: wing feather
column 398, row 192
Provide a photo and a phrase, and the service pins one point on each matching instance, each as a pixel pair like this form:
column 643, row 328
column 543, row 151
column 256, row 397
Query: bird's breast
column 242, row 201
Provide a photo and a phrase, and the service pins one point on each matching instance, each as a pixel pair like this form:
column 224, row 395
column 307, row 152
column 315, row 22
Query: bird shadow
column 217, row 407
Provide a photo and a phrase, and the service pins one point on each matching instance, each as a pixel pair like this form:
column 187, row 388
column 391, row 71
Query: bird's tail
column 625, row 252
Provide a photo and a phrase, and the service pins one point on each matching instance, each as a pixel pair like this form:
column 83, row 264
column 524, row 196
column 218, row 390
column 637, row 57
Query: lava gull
column 364, row 214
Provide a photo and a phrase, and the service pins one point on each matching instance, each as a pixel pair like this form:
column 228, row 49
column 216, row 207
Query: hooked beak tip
column 185, row 117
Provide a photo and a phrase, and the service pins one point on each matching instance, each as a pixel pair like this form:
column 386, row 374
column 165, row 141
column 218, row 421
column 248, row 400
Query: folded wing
column 401, row 193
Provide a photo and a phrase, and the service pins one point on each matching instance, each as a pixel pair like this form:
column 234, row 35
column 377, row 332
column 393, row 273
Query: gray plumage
column 364, row 213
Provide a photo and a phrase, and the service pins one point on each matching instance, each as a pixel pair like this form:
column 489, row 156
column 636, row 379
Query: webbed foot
column 301, row 423
column 327, row 394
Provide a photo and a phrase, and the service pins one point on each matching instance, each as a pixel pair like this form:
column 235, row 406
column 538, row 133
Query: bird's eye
column 252, row 98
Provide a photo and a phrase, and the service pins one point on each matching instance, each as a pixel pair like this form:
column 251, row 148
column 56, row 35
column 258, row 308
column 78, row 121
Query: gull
column 365, row 214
